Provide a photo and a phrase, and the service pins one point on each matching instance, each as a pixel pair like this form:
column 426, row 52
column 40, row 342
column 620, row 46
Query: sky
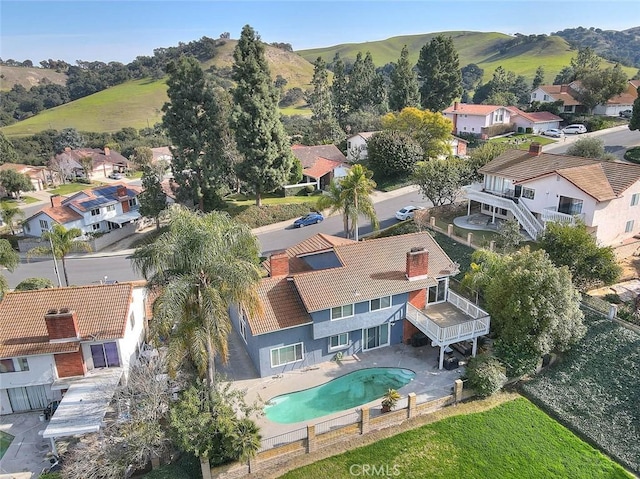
column 121, row 30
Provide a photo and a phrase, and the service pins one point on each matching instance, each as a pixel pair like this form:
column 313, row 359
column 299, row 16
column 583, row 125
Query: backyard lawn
column 521, row 141
column 5, row 441
column 70, row 188
column 513, row 440
column 24, row 200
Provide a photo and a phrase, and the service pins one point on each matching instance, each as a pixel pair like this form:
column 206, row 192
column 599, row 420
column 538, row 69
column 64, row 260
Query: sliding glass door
column 376, row 337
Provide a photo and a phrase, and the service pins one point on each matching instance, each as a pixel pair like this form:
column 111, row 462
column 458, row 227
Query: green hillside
column 28, row 77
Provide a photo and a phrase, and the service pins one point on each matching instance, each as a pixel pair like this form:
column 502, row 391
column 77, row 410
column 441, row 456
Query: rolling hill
column 28, row 77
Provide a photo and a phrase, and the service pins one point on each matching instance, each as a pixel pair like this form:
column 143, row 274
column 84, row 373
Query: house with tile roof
column 68, row 164
column 320, row 164
column 39, row 175
column 53, row 339
column 96, row 210
column 537, row 188
column 480, row 120
column 329, row 297
column 535, row 122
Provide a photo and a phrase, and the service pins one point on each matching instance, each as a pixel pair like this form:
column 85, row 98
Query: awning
column 125, row 217
column 85, row 403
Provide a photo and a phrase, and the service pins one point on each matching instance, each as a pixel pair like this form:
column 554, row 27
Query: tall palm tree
column 201, row 266
column 62, row 241
column 8, row 259
column 357, row 187
column 9, row 213
column 333, row 201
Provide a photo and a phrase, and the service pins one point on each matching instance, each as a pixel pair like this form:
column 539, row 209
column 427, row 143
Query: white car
column 407, row 212
column 574, row 129
column 554, row 133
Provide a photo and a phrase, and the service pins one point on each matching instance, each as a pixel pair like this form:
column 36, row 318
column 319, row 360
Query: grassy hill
column 28, row 77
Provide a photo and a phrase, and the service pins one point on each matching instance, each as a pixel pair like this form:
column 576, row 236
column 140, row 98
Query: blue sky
column 120, row 30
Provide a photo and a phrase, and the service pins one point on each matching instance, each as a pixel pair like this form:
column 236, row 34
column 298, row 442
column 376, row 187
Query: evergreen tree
column 587, row 61
column 404, row 90
column 325, row 126
column 195, row 125
column 360, row 82
column 152, row 199
column 260, row 135
column 439, row 73
column 538, row 79
column 339, row 91
column 634, row 121
column 7, row 151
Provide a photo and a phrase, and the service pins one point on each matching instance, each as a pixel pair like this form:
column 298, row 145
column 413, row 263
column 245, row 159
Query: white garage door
column 27, row 398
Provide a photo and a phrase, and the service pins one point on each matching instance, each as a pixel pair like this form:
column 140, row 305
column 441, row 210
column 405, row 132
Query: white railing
column 466, row 306
column 451, row 334
column 552, row 214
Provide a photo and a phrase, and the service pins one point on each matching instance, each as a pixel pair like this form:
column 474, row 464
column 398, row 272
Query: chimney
column 56, row 200
column 279, row 264
column 417, row 263
column 455, row 106
column 62, row 325
column 107, row 151
column 564, row 88
column 121, row 191
column 535, row 149
column 67, row 148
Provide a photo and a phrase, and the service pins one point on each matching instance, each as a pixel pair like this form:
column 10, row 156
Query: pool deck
column 429, row 383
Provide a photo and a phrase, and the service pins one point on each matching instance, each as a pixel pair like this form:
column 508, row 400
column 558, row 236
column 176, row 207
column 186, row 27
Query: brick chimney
column 56, row 200
column 121, row 191
column 62, row 325
column 455, row 105
column 535, row 149
column 107, row 151
column 279, row 264
column 417, row 263
column 564, row 88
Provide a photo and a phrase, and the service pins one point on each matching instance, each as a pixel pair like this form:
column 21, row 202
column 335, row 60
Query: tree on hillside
column 14, row 183
column 573, row 246
column 534, row 307
column 439, row 74
column 60, row 242
column 201, row 266
column 153, row 200
column 8, row 153
column 259, row 134
column 404, row 89
column 599, row 86
column 471, row 77
column 325, row 126
column 339, row 91
column 634, row 122
column 9, row 259
column 194, row 121
column 504, row 88
column 440, row 180
column 431, row 130
column 392, row 153
column 538, row 79
column 356, row 189
column 590, row 147
column 586, row 61
column 9, row 213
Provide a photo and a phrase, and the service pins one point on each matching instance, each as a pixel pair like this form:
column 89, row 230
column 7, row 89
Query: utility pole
column 55, row 262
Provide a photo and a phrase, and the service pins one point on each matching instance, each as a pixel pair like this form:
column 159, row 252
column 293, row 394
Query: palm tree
column 8, row 213
column 8, row 259
column 357, row 187
column 62, row 241
column 333, row 201
column 201, row 266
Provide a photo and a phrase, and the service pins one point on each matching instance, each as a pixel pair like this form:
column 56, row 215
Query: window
column 95, row 226
column 569, row 206
column 546, row 97
column 286, row 355
column 132, row 320
column 380, row 303
column 437, row 293
column 533, row 95
column 95, row 212
column 133, row 202
column 105, row 355
column 376, row 337
column 23, row 363
column 339, row 341
column 6, row 366
column 44, row 225
column 528, row 193
column 340, row 312
column 628, row 227
column 635, row 199
column 111, row 208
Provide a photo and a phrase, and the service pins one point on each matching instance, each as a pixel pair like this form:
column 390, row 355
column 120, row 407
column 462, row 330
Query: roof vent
column 63, row 310
column 52, row 311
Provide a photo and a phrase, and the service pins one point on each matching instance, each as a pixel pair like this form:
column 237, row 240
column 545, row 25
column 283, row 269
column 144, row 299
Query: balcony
column 551, row 213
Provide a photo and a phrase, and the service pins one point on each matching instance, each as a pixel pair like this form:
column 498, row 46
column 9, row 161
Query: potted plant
column 389, row 400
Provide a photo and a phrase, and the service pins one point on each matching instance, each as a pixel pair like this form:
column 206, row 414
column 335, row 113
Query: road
column 616, row 140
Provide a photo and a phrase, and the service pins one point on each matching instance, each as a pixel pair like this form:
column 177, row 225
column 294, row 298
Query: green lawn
column 5, row 441
column 523, row 141
column 513, row 440
column 24, row 200
column 73, row 188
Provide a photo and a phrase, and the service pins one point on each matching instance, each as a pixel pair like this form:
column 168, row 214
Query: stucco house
column 39, row 175
column 96, row 210
column 537, row 188
column 480, row 120
column 68, row 164
column 320, row 164
column 327, row 297
column 357, row 146
column 73, row 345
column 536, row 122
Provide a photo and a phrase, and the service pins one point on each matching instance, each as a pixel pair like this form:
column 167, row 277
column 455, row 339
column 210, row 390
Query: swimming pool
column 351, row 390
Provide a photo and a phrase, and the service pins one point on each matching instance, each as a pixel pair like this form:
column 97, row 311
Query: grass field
column 27, row 200
column 513, row 440
column 523, row 141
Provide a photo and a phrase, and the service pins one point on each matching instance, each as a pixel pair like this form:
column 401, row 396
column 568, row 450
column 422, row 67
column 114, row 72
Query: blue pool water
column 350, row 390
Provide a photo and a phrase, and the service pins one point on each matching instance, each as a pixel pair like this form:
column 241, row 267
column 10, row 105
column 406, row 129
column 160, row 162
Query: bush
column 519, row 359
column 633, row 155
column 612, row 298
column 486, row 375
column 30, row 284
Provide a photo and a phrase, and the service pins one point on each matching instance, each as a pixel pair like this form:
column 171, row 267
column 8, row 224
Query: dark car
column 626, row 113
column 309, row 219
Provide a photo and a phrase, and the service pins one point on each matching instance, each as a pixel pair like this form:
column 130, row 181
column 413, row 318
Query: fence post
column 469, row 238
column 449, row 230
column 311, row 438
column 364, row 420
column 411, row 405
column 457, row 390
column 492, row 245
column 205, row 468
column 613, row 311
column 432, row 221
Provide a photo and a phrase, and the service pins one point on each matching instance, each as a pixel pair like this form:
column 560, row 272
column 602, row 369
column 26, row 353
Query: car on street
column 116, row 176
column 308, row 219
column 626, row 113
column 407, row 212
column 575, row 129
column 554, row 133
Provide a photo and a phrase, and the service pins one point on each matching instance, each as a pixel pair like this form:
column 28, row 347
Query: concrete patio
column 29, row 452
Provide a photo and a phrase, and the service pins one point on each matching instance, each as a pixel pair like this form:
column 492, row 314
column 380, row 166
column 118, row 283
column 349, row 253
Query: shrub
column 612, row 298
column 633, row 155
column 256, row 216
column 30, row 284
column 486, row 375
column 518, row 358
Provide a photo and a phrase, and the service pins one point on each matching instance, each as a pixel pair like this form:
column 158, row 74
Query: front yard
column 522, row 141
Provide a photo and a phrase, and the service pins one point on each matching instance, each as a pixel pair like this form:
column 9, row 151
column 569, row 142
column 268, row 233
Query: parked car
column 574, row 129
column 309, row 219
column 407, row 212
column 116, row 175
column 626, row 113
column 554, row 133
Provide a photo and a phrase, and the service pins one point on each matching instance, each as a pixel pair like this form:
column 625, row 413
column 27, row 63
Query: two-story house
column 328, row 297
column 536, row 188
column 69, row 344
column 96, row 210
column 480, row 120
column 68, row 164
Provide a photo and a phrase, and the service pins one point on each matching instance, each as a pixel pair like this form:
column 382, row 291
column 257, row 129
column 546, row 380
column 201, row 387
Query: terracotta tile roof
column 102, row 311
column 534, row 117
column 628, row 96
column 371, row 269
column 308, row 155
column 561, row 92
column 521, row 166
column 321, row 167
column 469, row 109
column 85, row 200
column 282, row 307
column 34, row 172
column 318, row 242
column 60, row 214
column 98, row 157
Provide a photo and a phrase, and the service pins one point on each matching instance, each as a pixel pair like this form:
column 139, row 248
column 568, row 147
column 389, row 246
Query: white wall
column 36, row 231
column 356, row 148
column 41, row 372
column 612, row 216
column 539, row 95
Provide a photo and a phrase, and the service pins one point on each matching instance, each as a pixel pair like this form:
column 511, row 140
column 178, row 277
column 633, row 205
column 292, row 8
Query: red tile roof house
column 37, row 174
column 96, row 210
column 69, row 344
column 329, row 295
column 538, row 122
column 537, row 188
column 68, row 165
column 320, row 164
column 480, row 120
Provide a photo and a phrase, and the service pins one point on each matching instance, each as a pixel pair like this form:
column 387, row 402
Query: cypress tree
column 403, row 90
column 439, row 73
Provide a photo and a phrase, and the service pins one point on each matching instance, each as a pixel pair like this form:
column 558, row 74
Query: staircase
column 529, row 222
